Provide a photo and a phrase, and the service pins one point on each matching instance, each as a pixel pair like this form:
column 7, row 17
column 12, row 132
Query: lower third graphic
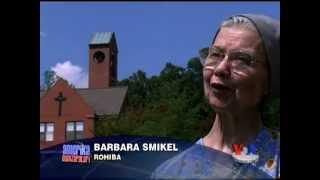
column 76, row 153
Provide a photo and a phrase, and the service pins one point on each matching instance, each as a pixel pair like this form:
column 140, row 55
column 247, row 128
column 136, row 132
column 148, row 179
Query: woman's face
column 235, row 73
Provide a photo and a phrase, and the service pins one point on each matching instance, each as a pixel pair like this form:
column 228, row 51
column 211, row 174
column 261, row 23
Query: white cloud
column 72, row 73
column 43, row 34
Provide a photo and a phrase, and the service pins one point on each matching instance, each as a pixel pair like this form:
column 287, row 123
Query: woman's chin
column 220, row 104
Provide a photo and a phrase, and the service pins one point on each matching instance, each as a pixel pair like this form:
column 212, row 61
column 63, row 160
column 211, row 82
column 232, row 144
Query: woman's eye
column 217, row 54
column 214, row 54
column 245, row 59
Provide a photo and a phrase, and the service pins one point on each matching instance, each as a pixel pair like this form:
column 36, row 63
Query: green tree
column 138, row 89
column 203, row 54
column 272, row 112
column 49, row 79
column 170, row 105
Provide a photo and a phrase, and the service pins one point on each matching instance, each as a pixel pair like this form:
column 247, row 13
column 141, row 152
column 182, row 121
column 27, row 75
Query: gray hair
column 234, row 21
column 239, row 21
column 242, row 21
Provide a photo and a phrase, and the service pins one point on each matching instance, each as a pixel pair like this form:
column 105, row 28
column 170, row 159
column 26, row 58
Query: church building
column 67, row 113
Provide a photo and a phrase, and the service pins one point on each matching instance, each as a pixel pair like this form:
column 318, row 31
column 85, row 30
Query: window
column 74, row 130
column 46, row 131
column 42, row 132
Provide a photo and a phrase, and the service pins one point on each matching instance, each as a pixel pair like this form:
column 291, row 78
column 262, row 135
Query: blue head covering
column 269, row 31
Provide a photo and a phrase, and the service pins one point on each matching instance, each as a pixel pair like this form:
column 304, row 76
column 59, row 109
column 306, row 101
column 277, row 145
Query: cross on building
column 83, row 106
column 60, row 99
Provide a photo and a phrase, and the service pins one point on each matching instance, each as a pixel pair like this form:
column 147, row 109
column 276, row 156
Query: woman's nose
column 223, row 68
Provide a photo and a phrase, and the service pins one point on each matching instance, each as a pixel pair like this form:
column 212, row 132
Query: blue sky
column 149, row 34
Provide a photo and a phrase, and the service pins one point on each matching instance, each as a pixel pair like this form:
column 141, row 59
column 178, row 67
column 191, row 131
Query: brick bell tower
column 103, row 60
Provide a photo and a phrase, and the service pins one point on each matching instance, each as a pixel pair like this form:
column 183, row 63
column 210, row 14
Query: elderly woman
column 241, row 70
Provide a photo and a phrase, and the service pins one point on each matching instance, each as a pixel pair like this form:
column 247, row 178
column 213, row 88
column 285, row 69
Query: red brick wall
column 73, row 109
column 99, row 72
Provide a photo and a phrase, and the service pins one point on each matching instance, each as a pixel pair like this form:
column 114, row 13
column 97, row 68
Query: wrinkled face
column 235, row 72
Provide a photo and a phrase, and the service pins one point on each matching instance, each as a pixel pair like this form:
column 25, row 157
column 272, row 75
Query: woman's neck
column 229, row 129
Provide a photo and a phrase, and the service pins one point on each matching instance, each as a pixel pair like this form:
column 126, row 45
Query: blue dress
column 199, row 162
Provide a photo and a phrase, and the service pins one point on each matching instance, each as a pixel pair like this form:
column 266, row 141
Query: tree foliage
column 171, row 104
column 49, row 79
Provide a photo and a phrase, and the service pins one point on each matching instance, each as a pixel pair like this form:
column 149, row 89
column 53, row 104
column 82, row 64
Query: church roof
column 101, row 38
column 106, row 101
